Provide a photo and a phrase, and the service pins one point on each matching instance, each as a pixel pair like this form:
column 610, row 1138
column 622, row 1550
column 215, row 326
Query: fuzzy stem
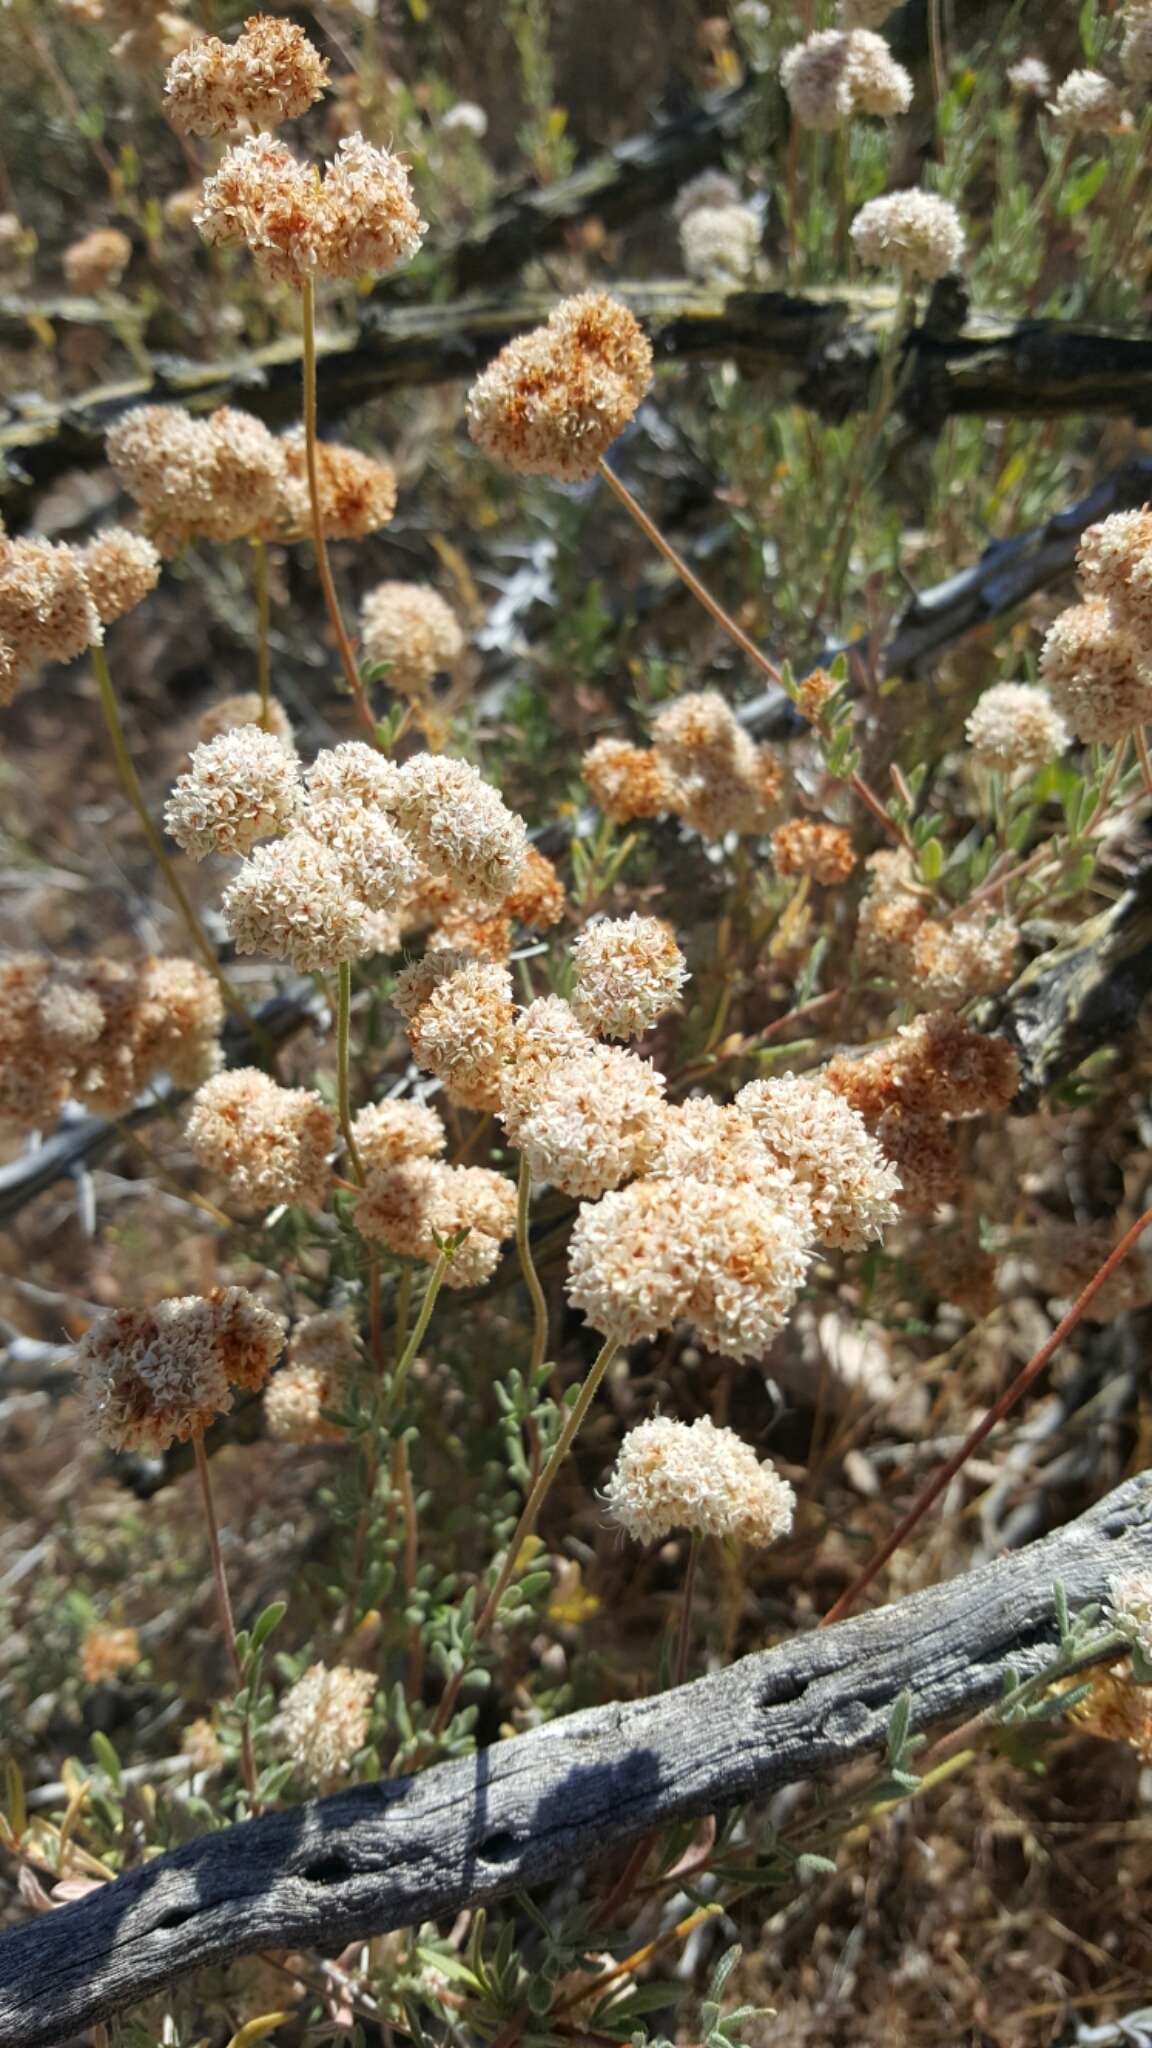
column 130, row 784
column 528, row 1268
column 343, row 1017
column 224, row 1609
column 320, row 544
column 999, row 1409
column 263, row 621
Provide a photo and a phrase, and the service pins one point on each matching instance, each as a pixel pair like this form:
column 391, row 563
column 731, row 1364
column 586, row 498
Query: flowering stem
column 528, row 1268
column 320, row 544
column 343, row 1016
column 263, row 658
column 703, row 596
column 419, row 1329
column 130, row 784
column 224, row 1609
column 529, row 1515
column 1008, row 1399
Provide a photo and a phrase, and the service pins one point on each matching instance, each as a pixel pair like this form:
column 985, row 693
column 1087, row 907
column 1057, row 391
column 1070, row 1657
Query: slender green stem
column 324, row 566
column 343, row 1018
column 529, row 1515
column 263, row 621
column 419, row 1329
column 528, row 1268
column 130, row 784
column 403, row 1307
column 224, row 1609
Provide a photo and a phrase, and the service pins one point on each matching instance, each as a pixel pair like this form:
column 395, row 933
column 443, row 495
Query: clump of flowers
column 1088, row 103
column 291, row 902
column 416, row 1207
column 1030, row 77
column 720, row 244
column 462, row 1032
column 242, row 786
column 409, row 628
column 809, row 846
column 216, row 479
column 355, row 491
column 1115, row 564
column 915, row 233
column 587, row 1121
column 908, row 1090
column 1097, row 672
column 270, row 1144
column 837, row 73
column 628, row 973
column 676, row 1475
column 97, row 262
column 244, row 708
column 323, row 1351
column 271, row 73
column 460, row 825
column 825, row 1144
column 324, row 1720
column 156, row 1376
column 627, row 781
column 554, row 400
column 932, row 963
column 359, row 217
column 722, row 781
column 47, row 612
column 390, row 1132
column 1015, row 728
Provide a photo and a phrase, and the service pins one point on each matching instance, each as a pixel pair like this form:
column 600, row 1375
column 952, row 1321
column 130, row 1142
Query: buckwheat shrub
column 240, row 787
column 411, row 628
column 460, row 825
column 389, row 1132
column 720, row 243
column 629, row 972
column 271, row 73
column 1087, row 103
column 356, row 492
column 588, row 1121
column 244, row 708
column 1115, row 563
column 809, row 846
column 676, row 1475
column 826, row 1145
column 1098, row 673
column 1014, row 728
column 97, row 262
column 916, row 233
column 554, row 400
column 291, row 901
column 270, row 1144
column 628, row 782
column 324, row 1719
column 120, row 568
column 462, row 1033
column 155, row 1376
column 657, row 1253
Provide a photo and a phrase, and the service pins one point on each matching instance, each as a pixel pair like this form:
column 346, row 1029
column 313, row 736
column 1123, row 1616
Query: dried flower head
column 271, row 73
column 585, row 1122
column 720, row 243
column 1015, row 728
column 1065, row 1256
column 808, row 846
column 814, row 693
column 270, row 1144
column 120, row 568
column 97, row 262
column 240, row 787
column 825, row 1144
column 1088, row 103
column 376, row 859
column 676, row 1475
column 460, row 825
column 463, row 1032
column 370, row 220
column 957, row 1269
column 538, row 898
column 916, row 233
column 409, row 627
column 356, row 491
column 1030, row 77
column 46, row 608
column 696, row 732
column 628, row 972
column 151, row 1377
column 323, row 1721
column 934, row 1067
column 1115, row 562
column 389, row 1132
column 291, row 901
column 34, row 1076
column 724, row 782
column 261, row 195
column 244, row 708
column 555, row 399
column 1117, row 1710
column 660, row 1252
column 627, row 782
column 1098, row 673
column 484, row 935
column 954, row 963
column 105, row 1651
column 163, row 1015
column 925, row 1156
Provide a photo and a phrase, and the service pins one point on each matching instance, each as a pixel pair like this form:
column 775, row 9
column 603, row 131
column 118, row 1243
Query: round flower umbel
column 324, row 1719
column 152, row 1377
column 627, row 781
column 271, row 73
column 1115, row 563
column 242, row 786
column 839, row 72
column 218, row 479
column 1087, row 103
column 291, row 901
column 554, row 400
column 586, row 1122
column 359, row 217
column 629, row 972
column 676, row 1475
column 1098, row 672
column 462, row 1033
column 409, row 628
column 1015, row 728
column 460, row 825
column 270, row 1144
column 388, row 1133
column 915, row 233
column 47, row 612
column 355, row 491
column 120, row 568
column 826, row 1146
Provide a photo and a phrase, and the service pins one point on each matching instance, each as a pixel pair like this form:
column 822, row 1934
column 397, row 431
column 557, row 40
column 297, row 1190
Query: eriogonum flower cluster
column 675, row 1475
column 412, row 632
column 271, row 73
column 1095, row 659
column 839, row 73
column 555, row 399
column 323, row 1720
column 932, row 963
column 323, row 1352
column 1014, row 728
column 269, row 1144
column 702, row 766
column 359, row 217
column 155, row 1376
column 915, row 233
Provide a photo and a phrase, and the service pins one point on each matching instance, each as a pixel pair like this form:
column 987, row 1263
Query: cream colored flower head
column 629, row 972
column 585, row 1122
column 1088, row 103
column 97, row 262
column 810, row 846
column 720, row 244
column 244, row 708
column 291, row 901
column 1015, row 728
column 1098, row 673
column 420, row 1204
column 120, row 568
column 460, row 825
column 677, row 1475
column 387, row 1133
column 360, row 218
column 353, row 773
column 826, row 1146
column 916, row 233
column 380, row 864
column 839, row 72
column 151, row 1377
column 218, row 479
column 1030, row 77
column 271, row 73
column 1115, row 563
column 554, row 400
column 238, row 788
column 47, row 611
column 324, row 1719
column 462, row 1033
column 270, row 1144
column 409, row 628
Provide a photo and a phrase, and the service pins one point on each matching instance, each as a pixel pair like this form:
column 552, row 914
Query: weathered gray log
column 1087, row 993
column 392, row 1854
column 818, row 352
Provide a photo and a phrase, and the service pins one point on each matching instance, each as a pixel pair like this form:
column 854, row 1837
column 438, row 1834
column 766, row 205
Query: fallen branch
column 392, row 1854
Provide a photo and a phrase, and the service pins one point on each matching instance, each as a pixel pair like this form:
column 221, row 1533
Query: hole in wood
column 499, row 1847
column 329, row 1869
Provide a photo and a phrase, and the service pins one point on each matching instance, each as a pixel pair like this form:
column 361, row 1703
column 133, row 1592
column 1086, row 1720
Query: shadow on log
column 527, row 1811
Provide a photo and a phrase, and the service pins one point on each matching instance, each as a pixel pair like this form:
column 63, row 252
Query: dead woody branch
column 402, row 1851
